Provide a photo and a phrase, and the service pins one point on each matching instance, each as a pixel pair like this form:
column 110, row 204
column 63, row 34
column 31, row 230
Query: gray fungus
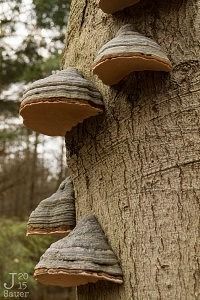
column 83, row 256
column 56, row 214
column 57, row 103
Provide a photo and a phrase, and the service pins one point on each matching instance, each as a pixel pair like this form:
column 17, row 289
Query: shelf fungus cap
column 57, row 103
column 56, row 214
column 113, row 6
column 129, row 51
column 82, row 257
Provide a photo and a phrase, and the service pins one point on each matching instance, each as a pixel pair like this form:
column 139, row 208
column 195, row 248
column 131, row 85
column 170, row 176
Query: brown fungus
column 113, row 6
column 129, row 51
column 56, row 214
column 57, row 103
column 82, row 257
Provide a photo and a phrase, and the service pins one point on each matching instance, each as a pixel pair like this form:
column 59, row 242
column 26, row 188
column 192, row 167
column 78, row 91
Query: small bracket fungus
column 82, row 257
column 129, row 51
column 57, row 103
column 112, row 6
column 56, row 214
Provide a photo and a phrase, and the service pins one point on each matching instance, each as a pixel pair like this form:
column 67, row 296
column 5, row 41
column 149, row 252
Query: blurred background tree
column 22, row 258
column 31, row 165
column 32, row 38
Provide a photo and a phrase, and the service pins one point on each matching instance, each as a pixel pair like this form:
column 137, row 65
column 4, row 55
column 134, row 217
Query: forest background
column 31, row 165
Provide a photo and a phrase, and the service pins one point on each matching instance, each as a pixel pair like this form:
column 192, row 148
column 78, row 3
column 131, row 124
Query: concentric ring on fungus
column 55, row 215
column 129, row 52
column 57, row 103
column 82, row 257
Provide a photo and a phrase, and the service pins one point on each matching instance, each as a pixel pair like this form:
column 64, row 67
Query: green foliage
column 51, row 13
column 28, row 66
column 40, row 68
column 28, row 63
column 18, row 253
column 9, row 108
column 11, row 68
column 8, row 135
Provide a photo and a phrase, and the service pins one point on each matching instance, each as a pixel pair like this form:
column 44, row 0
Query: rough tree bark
column 33, row 172
column 137, row 167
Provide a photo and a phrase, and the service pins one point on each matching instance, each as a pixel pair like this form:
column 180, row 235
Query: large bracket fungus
column 113, row 6
column 129, row 51
column 82, row 257
column 57, row 103
column 56, row 214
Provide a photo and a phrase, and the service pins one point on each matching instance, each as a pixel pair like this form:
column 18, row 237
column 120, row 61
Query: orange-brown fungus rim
column 145, row 57
column 65, row 230
column 56, row 101
column 62, row 271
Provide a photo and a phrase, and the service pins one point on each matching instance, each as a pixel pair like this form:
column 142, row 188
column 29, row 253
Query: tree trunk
column 137, row 167
column 61, row 161
column 33, row 172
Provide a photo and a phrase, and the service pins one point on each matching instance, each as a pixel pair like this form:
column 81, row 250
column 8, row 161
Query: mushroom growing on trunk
column 112, row 6
column 129, row 51
column 56, row 214
column 57, row 103
column 82, row 257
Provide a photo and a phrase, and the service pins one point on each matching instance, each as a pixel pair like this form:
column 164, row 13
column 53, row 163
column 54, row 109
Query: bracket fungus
column 113, row 6
column 56, row 214
column 57, row 103
column 128, row 52
column 82, row 257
